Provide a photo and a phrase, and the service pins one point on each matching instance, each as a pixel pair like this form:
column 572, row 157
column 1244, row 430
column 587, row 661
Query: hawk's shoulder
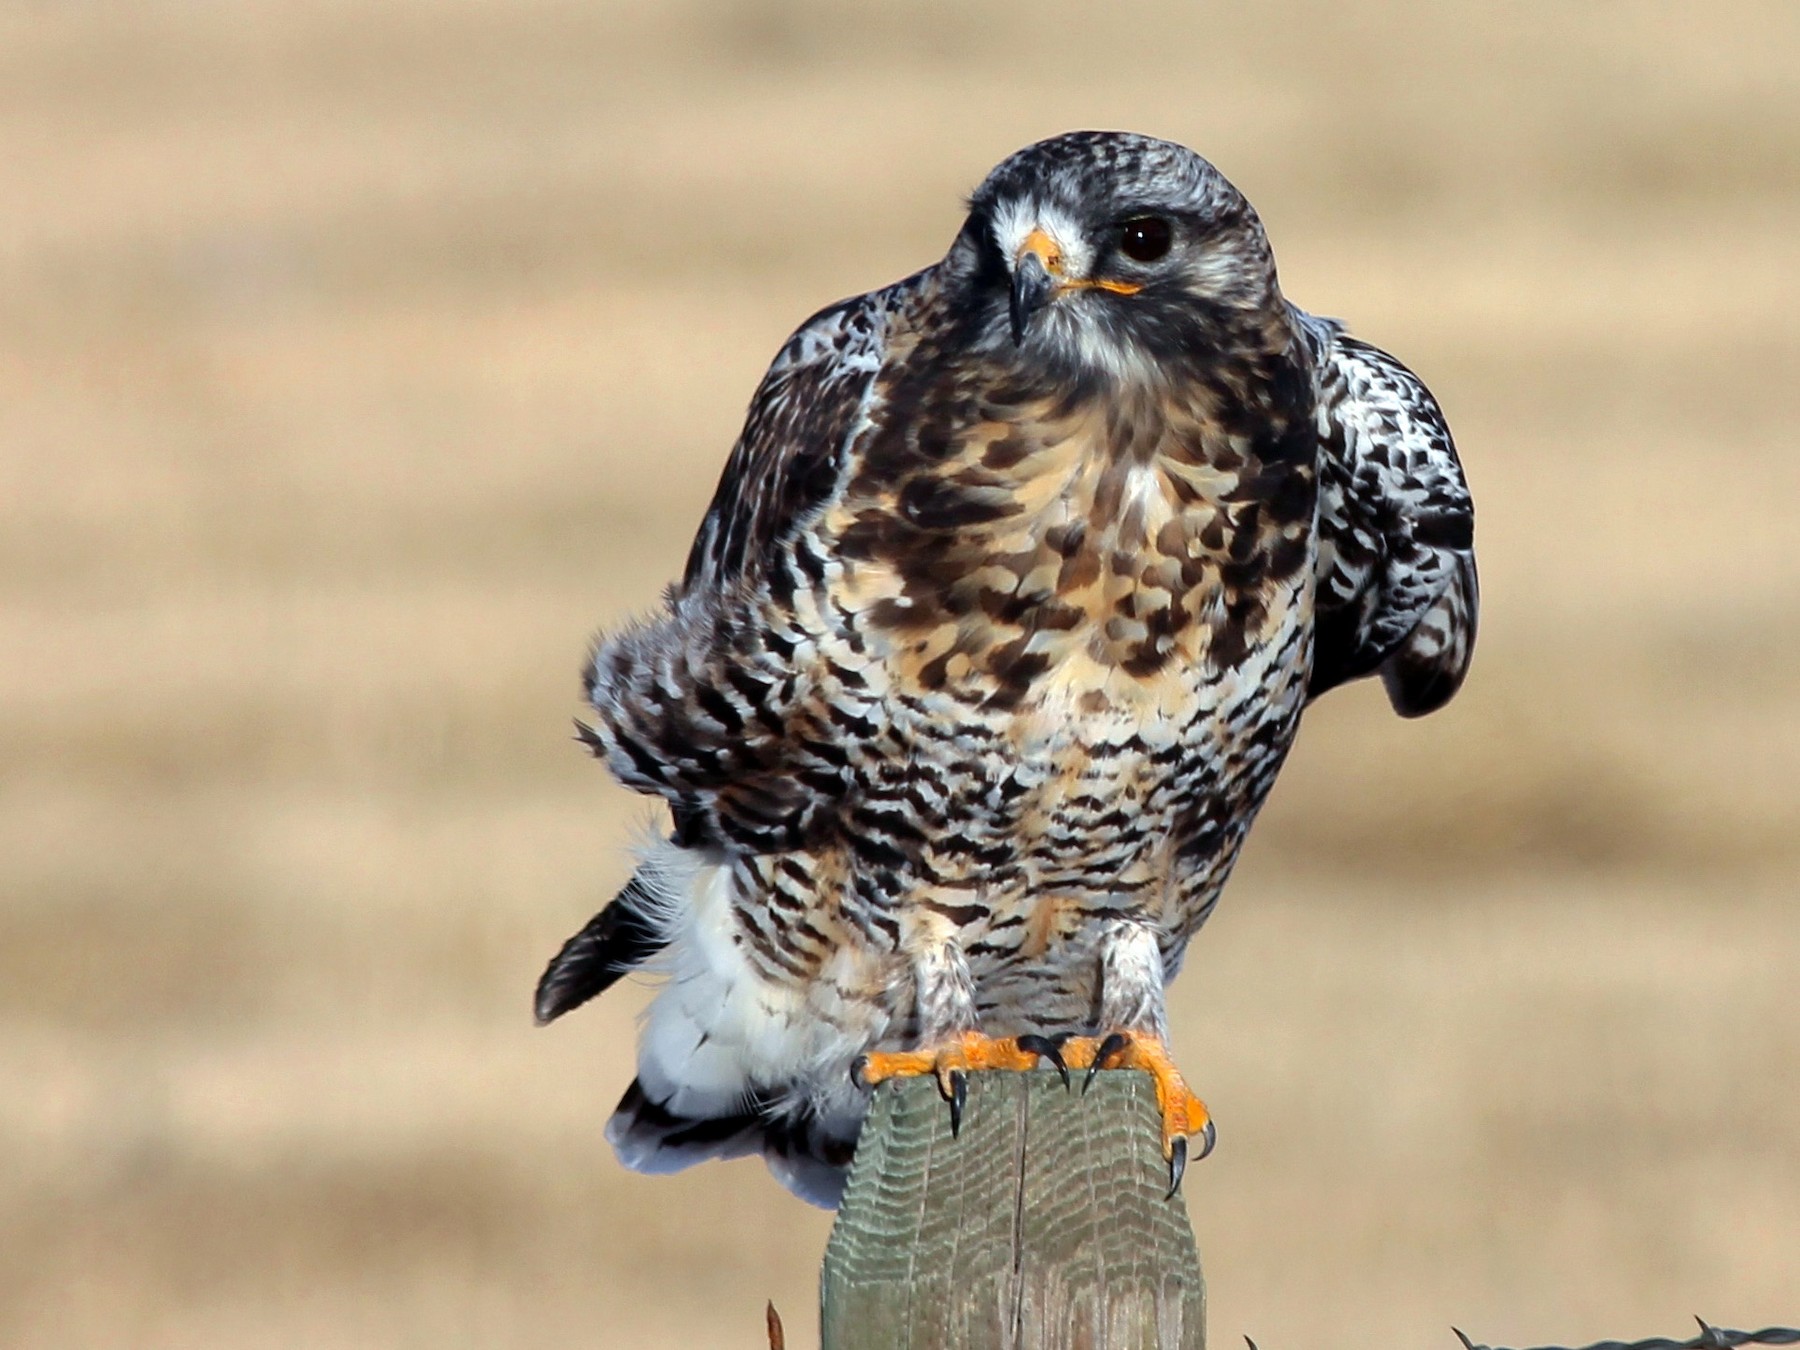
column 695, row 703
column 1397, row 584
column 789, row 456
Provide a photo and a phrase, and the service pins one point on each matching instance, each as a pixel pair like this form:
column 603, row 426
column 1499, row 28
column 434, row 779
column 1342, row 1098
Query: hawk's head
column 1114, row 250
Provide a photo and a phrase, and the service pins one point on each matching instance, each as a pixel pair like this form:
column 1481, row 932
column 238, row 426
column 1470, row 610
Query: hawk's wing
column 707, row 704
column 1397, row 590
column 790, row 454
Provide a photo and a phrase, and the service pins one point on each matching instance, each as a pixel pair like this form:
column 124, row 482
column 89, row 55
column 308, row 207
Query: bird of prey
column 1002, row 620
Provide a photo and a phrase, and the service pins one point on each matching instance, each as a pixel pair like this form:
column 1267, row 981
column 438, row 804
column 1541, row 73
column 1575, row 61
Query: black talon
column 859, row 1072
column 1108, row 1048
column 1177, row 1165
column 1208, row 1137
column 1047, row 1047
column 959, row 1097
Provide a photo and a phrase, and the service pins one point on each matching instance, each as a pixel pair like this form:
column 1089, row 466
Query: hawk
column 1002, row 620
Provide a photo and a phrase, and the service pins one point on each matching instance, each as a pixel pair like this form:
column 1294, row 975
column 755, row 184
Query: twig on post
column 1046, row 1224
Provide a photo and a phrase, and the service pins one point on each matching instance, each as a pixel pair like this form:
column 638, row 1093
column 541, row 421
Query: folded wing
column 1397, row 590
column 714, row 704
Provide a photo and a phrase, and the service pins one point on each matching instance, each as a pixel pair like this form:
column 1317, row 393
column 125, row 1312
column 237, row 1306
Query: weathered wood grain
column 1045, row 1226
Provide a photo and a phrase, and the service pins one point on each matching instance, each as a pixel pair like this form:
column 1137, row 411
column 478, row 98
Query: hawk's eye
column 1146, row 239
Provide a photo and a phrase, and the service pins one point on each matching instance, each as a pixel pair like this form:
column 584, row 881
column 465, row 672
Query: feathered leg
column 1135, row 1035
column 950, row 1044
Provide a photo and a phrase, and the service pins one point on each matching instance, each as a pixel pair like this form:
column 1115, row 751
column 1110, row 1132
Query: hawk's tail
column 718, row 1073
column 810, row 1159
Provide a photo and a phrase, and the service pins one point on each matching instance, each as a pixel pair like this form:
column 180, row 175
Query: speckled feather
column 988, row 651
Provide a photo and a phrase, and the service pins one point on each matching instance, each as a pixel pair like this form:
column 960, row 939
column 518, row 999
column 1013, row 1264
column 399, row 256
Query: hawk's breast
column 1090, row 613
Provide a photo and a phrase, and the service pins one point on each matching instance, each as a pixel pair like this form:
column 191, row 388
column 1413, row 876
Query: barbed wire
column 1710, row 1338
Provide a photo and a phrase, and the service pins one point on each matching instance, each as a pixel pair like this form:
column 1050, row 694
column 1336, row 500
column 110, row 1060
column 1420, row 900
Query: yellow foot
column 951, row 1062
column 1183, row 1114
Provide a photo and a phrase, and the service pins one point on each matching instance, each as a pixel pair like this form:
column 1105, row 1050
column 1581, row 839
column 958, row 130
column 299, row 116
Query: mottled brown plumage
column 992, row 643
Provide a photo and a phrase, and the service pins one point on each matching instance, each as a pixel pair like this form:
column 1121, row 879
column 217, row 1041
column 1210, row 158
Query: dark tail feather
column 619, row 938
column 651, row 1138
column 808, row 1156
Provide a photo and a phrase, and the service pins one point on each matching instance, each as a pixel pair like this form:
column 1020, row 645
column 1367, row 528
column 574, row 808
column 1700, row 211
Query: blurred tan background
column 358, row 360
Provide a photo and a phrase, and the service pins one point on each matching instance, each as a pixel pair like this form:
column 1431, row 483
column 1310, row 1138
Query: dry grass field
column 357, row 361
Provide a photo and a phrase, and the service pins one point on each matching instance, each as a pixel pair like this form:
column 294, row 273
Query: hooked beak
column 1038, row 275
column 1037, row 268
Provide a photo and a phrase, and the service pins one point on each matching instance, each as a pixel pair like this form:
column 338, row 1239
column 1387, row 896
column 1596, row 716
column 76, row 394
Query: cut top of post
column 1047, row 1224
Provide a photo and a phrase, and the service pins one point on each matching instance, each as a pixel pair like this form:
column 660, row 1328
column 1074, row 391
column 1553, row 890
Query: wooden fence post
column 1045, row 1226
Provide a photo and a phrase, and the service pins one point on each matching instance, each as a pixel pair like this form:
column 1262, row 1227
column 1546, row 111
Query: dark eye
column 1146, row 239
